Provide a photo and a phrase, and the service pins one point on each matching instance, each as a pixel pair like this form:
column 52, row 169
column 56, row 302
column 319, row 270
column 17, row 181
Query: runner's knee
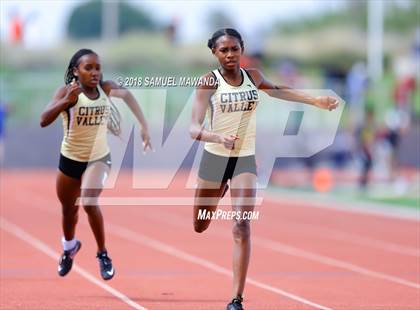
column 241, row 230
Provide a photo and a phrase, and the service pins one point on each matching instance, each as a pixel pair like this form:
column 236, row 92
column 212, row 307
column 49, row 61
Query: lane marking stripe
column 44, row 248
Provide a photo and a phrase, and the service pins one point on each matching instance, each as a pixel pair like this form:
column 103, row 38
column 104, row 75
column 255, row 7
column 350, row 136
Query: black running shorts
column 221, row 169
column 75, row 169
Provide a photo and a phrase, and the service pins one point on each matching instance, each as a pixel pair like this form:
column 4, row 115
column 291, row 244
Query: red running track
column 303, row 257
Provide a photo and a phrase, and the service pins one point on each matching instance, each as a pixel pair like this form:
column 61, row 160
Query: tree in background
column 85, row 21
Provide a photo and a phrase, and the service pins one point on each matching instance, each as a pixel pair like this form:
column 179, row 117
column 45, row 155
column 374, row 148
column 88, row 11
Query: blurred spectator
column 415, row 52
column 341, row 150
column 405, row 84
column 356, row 87
column 171, row 30
column 396, row 122
column 403, row 93
column 289, row 74
column 16, row 29
column 365, row 136
column 397, row 117
column 3, row 115
column 335, row 79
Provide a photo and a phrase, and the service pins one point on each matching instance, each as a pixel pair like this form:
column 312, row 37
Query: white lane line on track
column 44, row 248
column 293, row 251
column 40, row 201
column 285, row 249
column 357, row 239
column 325, row 233
column 173, row 251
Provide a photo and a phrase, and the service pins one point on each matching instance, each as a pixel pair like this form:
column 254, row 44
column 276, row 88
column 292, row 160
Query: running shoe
column 236, row 304
column 105, row 265
column 66, row 259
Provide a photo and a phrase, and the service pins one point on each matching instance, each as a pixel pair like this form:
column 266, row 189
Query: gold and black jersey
column 85, row 128
column 231, row 111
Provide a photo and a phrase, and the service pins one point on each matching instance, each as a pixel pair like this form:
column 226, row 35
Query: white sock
column 68, row 245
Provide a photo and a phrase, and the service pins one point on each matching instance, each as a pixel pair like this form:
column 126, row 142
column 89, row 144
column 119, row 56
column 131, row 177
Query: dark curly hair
column 224, row 32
